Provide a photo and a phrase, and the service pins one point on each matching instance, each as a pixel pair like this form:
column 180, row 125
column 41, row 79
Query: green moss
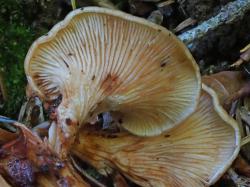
column 15, row 38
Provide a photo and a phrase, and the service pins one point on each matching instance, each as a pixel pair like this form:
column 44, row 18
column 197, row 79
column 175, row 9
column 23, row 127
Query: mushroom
column 103, row 60
column 196, row 153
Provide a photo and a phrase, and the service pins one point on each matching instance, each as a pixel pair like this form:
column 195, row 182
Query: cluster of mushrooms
column 170, row 128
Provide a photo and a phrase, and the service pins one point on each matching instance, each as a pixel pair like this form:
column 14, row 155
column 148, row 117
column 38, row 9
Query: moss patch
column 15, row 38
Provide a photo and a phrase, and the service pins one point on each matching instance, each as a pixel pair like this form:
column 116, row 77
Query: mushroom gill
column 103, row 60
column 195, row 153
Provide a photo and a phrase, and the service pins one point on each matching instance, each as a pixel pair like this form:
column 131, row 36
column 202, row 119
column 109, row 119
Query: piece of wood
column 228, row 14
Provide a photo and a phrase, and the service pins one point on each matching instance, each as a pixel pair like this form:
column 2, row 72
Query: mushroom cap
column 196, row 153
column 106, row 60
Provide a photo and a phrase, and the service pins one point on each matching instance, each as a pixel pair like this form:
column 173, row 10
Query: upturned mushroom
column 196, row 153
column 102, row 60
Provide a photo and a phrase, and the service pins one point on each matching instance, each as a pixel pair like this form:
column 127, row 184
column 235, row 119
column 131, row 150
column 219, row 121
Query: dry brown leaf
column 241, row 166
column 229, row 86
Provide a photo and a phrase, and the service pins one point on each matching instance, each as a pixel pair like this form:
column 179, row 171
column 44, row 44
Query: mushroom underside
column 196, row 153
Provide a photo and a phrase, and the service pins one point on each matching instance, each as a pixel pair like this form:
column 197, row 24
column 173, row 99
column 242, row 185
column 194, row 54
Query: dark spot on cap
column 163, row 64
column 66, row 63
column 68, row 121
column 70, row 54
column 93, row 77
column 166, row 135
column 110, row 83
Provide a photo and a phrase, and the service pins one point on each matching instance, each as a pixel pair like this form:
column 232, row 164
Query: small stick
column 73, row 4
column 245, row 140
column 105, row 4
column 85, row 174
column 240, row 181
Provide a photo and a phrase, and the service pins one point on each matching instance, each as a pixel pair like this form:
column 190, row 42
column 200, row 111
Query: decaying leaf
column 29, row 161
column 241, row 166
column 226, row 84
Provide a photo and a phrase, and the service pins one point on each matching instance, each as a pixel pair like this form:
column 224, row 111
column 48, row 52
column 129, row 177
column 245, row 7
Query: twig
column 105, row 4
column 245, row 140
column 85, row 174
column 240, row 181
column 228, row 14
column 73, row 4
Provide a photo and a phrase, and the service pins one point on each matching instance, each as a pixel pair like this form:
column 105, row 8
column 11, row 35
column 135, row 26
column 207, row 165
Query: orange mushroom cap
column 105, row 60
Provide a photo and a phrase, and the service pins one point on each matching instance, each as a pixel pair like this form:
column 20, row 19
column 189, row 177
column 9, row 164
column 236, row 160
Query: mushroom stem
column 228, row 14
